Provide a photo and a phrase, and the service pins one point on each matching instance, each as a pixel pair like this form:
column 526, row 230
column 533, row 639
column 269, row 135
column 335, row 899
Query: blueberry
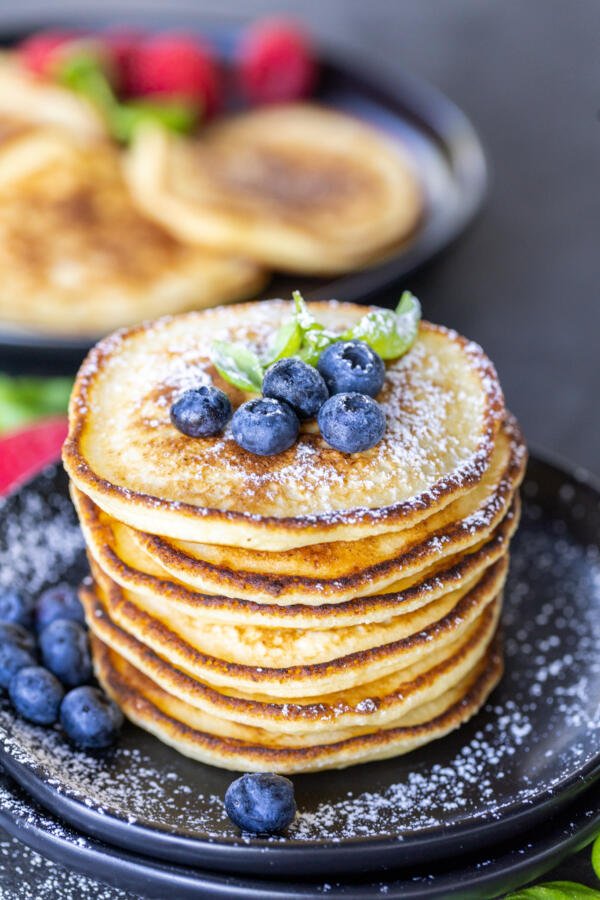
column 352, row 422
column 352, row 366
column 298, row 384
column 14, row 608
column 60, row 602
column 90, row 719
column 262, row 803
column 265, row 426
column 12, row 658
column 65, row 651
column 36, row 695
column 201, row 412
column 16, row 634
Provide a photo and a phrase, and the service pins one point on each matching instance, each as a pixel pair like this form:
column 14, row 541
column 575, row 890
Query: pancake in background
column 78, row 258
column 29, row 99
column 297, row 187
column 442, row 401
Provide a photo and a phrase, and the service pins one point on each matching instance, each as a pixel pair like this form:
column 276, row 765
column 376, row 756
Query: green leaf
column 25, row 399
column 238, row 365
column 556, row 890
column 126, row 118
column 596, row 856
column 303, row 316
column 313, row 344
column 287, row 342
column 390, row 333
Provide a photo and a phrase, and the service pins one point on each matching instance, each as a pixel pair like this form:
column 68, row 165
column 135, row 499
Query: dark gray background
column 524, row 280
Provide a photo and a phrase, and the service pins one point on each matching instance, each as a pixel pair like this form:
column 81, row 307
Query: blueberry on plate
column 298, row 384
column 14, row 608
column 90, row 720
column 352, row 366
column 12, row 658
column 351, row 422
column 261, row 802
column 265, row 426
column 201, row 412
column 65, row 651
column 16, row 634
column 60, row 602
column 36, row 694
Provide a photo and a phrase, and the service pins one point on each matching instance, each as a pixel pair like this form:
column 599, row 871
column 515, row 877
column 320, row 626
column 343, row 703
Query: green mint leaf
column 378, row 329
column 25, row 399
column 303, row 316
column 238, row 365
column 596, row 857
column 313, row 344
column 287, row 342
column 126, row 118
column 556, row 890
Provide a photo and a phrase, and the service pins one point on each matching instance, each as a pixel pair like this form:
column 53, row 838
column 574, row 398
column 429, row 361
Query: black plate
column 441, row 140
column 535, row 746
column 483, row 875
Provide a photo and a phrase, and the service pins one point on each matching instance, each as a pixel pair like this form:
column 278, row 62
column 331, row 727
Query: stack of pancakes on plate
column 307, row 610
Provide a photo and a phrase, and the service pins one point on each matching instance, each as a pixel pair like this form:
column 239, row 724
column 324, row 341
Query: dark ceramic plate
column 445, row 149
column 534, row 747
column 482, row 875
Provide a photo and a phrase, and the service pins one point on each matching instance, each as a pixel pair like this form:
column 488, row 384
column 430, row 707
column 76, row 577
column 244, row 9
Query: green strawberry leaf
column 556, row 890
column 238, row 365
column 25, row 399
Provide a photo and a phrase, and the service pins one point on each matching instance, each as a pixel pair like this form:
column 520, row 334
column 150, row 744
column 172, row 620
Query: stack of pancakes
column 308, row 610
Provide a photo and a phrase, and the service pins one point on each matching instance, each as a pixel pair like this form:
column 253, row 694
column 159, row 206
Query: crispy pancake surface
column 153, row 709
column 442, row 401
column 297, row 187
column 77, row 257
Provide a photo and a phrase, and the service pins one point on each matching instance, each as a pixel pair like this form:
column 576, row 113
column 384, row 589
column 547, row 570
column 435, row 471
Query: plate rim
column 377, row 850
column 510, row 868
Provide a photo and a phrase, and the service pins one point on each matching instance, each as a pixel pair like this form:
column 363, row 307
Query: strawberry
column 40, row 52
column 122, row 44
column 23, row 453
column 276, row 62
column 177, row 66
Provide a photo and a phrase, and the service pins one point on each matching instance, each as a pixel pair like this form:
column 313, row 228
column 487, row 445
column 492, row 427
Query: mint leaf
column 286, row 343
column 238, row 365
column 556, row 890
column 596, row 856
column 303, row 316
column 313, row 344
column 25, row 399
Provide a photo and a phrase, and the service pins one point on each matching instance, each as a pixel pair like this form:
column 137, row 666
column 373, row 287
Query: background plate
column 535, row 746
column 505, row 868
column 441, row 140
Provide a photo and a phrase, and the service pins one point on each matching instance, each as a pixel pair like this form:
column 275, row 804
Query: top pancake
column 295, row 186
column 443, row 406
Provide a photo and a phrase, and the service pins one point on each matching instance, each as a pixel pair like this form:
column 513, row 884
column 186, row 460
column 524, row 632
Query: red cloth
column 23, row 453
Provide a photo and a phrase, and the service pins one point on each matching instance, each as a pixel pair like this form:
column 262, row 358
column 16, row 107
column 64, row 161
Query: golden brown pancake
column 443, row 406
column 296, row 187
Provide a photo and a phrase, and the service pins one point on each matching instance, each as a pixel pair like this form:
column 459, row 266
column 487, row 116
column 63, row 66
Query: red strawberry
column 40, row 52
column 178, row 66
column 276, row 62
column 122, row 45
column 23, row 453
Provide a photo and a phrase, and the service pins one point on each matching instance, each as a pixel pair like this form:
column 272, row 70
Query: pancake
column 29, row 99
column 373, row 703
column 442, row 400
column 341, row 571
column 153, row 709
column 78, row 258
column 111, row 546
column 241, row 668
column 297, row 187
